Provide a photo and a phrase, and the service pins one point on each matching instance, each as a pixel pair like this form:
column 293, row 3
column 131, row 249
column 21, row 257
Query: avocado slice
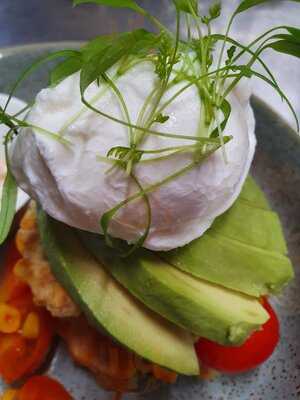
column 206, row 309
column 232, row 264
column 108, row 305
column 252, row 226
column 244, row 250
column 252, row 194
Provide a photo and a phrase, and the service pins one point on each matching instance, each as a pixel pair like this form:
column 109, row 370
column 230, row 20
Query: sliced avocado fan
column 191, row 286
column 203, row 308
column 111, row 307
column 244, row 250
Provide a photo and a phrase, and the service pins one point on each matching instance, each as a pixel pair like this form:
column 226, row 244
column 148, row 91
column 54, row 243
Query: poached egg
column 74, row 187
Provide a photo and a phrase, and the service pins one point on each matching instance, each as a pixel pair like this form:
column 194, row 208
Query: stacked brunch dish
column 146, row 245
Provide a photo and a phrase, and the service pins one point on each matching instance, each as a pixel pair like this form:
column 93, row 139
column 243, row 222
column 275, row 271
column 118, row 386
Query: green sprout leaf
column 295, row 32
column 288, row 43
column 289, row 47
column 99, row 64
column 188, row 6
column 120, row 153
column 214, row 13
column 131, row 43
column 113, row 3
column 160, row 118
column 226, row 110
column 245, row 49
column 246, row 4
column 65, row 69
column 230, row 53
column 9, row 194
column 95, row 46
column 215, row 10
column 165, row 56
column 8, row 205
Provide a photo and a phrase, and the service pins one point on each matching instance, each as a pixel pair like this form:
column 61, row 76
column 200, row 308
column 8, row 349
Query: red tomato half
column 20, row 357
column 43, row 388
column 257, row 349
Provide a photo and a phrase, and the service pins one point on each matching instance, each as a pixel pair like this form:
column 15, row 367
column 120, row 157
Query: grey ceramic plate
column 277, row 170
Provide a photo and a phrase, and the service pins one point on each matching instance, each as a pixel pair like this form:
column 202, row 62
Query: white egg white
column 73, row 186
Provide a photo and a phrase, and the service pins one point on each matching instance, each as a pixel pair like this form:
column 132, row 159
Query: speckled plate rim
column 6, row 51
column 291, row 131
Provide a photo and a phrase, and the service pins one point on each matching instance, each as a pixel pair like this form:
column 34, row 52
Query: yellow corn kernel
column 21, row 269
column 31, row 327
column 10, row 394
column 10, row 318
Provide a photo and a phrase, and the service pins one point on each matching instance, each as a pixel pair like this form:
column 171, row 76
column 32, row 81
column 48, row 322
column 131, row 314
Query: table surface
column 32, row 21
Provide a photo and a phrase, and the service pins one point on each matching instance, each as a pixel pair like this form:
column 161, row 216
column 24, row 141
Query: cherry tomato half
column 43, row 388
column 20, row 357
column 257, row 349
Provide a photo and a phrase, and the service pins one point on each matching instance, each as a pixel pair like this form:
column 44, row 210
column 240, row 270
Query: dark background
column 31, row 21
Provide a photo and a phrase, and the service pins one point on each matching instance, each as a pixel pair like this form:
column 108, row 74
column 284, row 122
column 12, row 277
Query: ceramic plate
column 277, row 170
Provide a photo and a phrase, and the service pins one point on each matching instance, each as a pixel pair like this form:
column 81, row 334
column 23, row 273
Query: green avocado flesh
column 108, row 305
column 252, row 194
column 244, row 250
column 203, row 308
column 251, row 226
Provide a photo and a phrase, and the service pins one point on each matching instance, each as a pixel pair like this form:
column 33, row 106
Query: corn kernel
column 10, row 318
column 31, row 327
column 10, row 394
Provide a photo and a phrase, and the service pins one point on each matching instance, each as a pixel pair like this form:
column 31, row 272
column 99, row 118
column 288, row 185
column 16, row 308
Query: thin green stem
column 147, row 131
column 161, row 93
column 247, row 49
column 183, row 89
column 256, row 41
column 220, row 59
column 188, row 25
column 27, row 107
column 144, row 108
column 33, row 67
column 240, row 76
column 52, row 135
column 123, row 104
column 75, row 117
column 184, row 149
